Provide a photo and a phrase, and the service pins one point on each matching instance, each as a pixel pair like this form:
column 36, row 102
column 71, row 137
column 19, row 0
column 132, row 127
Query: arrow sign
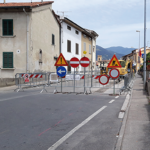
column 61, row 71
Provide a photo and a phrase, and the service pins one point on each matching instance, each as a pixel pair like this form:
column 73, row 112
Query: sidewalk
column 137, row 130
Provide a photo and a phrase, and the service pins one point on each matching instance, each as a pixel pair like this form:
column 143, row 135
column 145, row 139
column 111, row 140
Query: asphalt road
column 33, row 121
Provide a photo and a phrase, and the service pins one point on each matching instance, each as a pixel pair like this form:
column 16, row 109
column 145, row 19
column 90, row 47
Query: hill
column 122, row 50
column 106, row 54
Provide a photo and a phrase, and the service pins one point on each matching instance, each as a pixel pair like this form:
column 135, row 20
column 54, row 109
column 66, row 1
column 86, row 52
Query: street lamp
column 144, row 67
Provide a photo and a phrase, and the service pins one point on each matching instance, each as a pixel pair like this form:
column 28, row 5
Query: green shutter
column 7, row 59
column 7, row 27
column 10, row 27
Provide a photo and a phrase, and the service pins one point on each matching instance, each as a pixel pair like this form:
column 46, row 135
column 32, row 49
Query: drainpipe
column 27, row 41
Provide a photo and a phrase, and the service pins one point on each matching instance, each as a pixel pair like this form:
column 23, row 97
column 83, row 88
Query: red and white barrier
column 93, row 76
column 33, row 75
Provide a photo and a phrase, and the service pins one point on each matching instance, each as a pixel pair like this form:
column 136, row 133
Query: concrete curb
column 125, row 108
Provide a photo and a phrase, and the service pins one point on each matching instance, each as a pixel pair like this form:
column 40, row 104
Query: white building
column 71, row 41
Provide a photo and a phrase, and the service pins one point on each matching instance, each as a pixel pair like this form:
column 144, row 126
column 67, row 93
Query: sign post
column 61, row 61
column 114, row 74
column 74, row 62
column 84, row 62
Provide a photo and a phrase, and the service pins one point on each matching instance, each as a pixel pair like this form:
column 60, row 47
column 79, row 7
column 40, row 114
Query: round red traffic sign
column 114, row 73
column 74, row 62
column 84, row 62
column 103, row 79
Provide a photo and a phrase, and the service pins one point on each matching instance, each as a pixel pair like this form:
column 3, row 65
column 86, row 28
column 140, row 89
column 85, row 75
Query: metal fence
column 73, row 82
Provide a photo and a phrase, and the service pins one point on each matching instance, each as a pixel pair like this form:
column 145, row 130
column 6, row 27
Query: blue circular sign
column 61, row 71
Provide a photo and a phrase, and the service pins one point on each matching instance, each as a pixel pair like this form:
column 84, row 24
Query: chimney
column 42, row 1
column 4, row 2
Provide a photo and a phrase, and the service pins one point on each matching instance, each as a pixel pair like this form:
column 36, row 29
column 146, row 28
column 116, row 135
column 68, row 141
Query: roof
column 92, row 32
column 33, row 4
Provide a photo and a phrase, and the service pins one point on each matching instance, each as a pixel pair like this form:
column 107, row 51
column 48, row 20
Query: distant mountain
column 121, row 50
column 106, row 54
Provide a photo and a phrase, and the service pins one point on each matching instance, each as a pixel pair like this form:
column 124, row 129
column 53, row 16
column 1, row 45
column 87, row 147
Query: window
column 93, row 48
column 7, row 59
column 69, row 67
column 40, row 56
column 53, row 39
column 84, row 35
column 68, row 46
column 68, row 27
column 84, row 46
column 89, row 49
column 77, row 48
column 7, row 27
column 77, row 32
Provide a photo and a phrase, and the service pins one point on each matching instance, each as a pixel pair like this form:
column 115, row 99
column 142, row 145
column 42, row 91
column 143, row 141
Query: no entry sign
column 74, row 62
column 103, row 79
column 26, row 78
column 84, row 62
column 114, row 73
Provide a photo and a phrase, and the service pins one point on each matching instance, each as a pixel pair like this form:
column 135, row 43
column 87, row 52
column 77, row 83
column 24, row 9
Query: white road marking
column 111, row 101
column 54, row 146
column 5, row 99
column 116, row 96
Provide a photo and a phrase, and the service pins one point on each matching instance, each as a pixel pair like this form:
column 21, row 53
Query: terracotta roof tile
column 33, row 4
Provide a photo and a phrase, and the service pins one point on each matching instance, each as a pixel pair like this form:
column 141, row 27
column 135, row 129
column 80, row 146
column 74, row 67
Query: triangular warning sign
column 114, row 63
column 61, row 61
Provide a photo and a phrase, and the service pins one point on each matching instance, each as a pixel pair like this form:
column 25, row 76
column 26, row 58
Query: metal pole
column 74, row 81
column 84, row 79
column 61, row 84
column 114, row 87
column 144, row 68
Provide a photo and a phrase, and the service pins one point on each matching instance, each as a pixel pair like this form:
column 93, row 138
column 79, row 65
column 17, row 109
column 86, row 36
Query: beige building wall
column 43, row 25
column 15, row 44
column 89, row 55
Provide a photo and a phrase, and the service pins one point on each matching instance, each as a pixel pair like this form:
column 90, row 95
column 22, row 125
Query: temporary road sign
column 26, row 78
column 84, row 62
column 114, row 73
column 61, row 61
column 61, row 71
column 114, row 63
column 74, row 62
column 103, row 79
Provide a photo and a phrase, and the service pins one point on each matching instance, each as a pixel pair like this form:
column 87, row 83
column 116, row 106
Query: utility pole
column 144, row 68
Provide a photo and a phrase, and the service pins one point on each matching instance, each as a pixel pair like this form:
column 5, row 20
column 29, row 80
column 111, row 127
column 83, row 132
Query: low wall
column 7, row 82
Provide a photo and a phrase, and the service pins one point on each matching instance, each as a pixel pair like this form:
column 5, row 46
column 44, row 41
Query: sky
column 115, row 21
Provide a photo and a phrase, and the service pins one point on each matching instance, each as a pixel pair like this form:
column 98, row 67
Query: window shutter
column 68, row 46
column 84, row 46
column 7, row 27
column 5, row 60
column 89, row 49
column 10, row 27
column 10, row 60
column 4, row 27
column 77, row 48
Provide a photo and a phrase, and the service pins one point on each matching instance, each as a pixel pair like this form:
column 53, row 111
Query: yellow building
column 86, row 45
column 137, row 61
